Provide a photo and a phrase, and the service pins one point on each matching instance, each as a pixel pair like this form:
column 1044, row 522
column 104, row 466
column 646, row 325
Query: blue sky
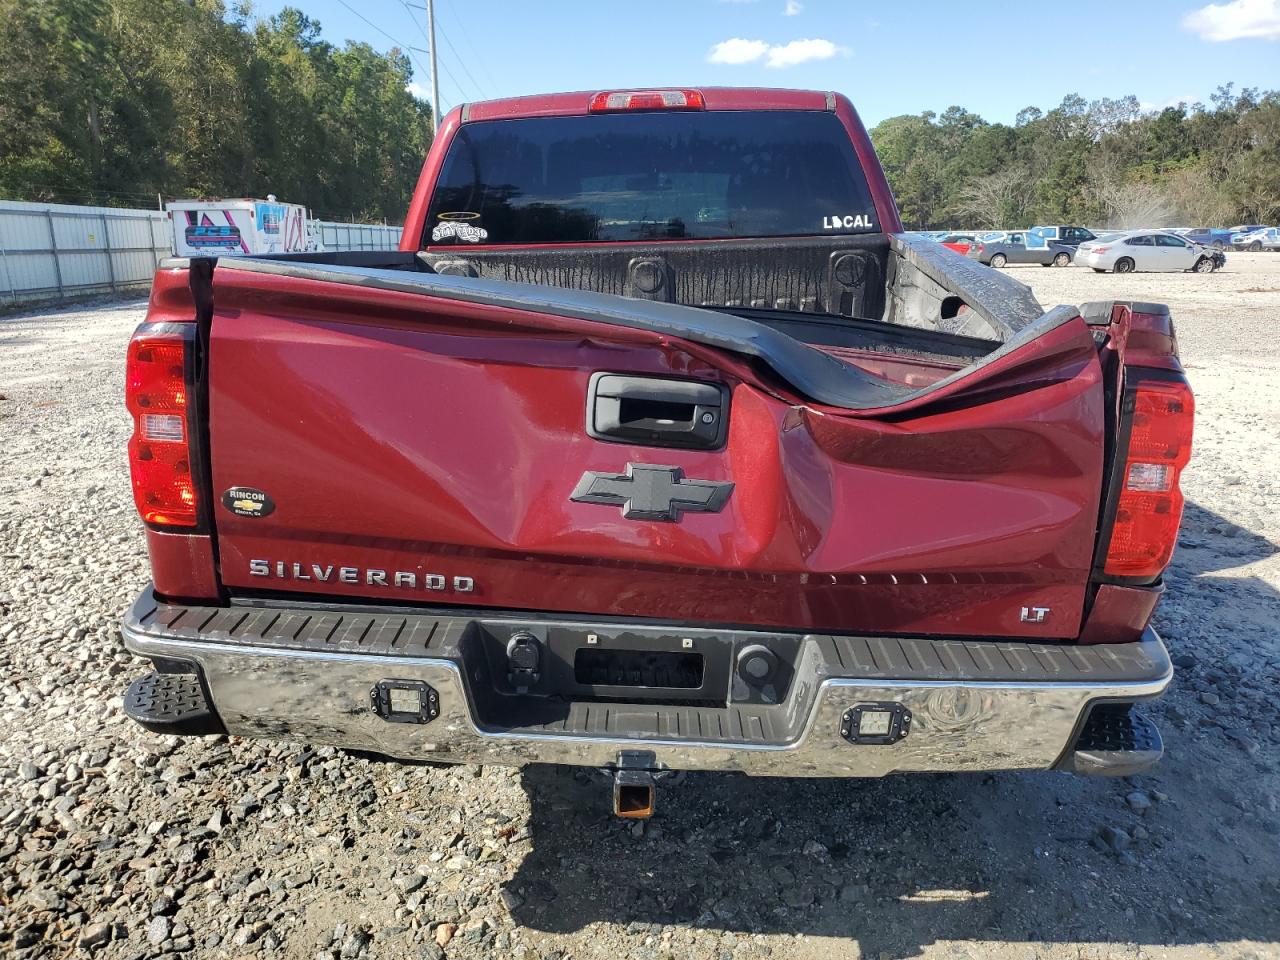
column 890, row 58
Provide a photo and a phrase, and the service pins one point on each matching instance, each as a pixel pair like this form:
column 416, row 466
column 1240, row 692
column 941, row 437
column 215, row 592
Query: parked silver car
column 1153, row 251
column 1015, row 248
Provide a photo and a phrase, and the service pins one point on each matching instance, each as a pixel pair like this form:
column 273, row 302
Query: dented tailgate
column 418, row 447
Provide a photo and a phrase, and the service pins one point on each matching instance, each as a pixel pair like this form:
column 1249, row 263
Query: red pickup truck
column 656, row 446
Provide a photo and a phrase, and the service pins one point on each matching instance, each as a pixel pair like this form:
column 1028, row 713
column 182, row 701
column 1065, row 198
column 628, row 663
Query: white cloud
column 801, row 51
column 1237, row 20
column 417, row 90
column 794, row 8
column 739, row 51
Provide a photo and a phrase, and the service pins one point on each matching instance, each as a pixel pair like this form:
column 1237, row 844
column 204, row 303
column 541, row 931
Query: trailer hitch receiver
column 633, row 785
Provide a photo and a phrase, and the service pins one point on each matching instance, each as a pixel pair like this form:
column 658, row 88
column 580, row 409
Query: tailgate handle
column 654, row 412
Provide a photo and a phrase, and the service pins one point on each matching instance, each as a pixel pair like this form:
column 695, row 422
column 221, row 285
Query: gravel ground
column 126, row 844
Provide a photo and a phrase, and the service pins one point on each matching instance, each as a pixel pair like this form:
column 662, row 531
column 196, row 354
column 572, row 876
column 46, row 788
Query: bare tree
column 1128, row 204
column 1194, row 193
column 997, row 200
column 1108, row 116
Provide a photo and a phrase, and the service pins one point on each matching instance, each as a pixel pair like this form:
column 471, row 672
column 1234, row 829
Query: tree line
column 117, row 101
column 114, row 102
column 1105, row 163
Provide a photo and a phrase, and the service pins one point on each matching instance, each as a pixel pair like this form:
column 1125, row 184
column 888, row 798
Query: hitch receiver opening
column 633, row 794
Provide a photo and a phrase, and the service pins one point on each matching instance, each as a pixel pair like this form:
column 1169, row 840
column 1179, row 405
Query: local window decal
column 456, row 225
column 848, row 222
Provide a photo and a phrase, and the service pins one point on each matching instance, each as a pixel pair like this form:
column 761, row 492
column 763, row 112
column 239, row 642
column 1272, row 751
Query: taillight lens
column 647, row 100
column 1097, row 249
column 156, row 393
column 1149, row 508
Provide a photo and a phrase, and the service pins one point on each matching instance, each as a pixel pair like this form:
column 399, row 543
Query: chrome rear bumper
column 307, row 678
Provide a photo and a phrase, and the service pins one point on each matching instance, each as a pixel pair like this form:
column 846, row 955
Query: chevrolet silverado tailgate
column 525, row 448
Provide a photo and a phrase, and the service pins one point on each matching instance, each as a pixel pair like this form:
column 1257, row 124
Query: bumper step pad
column 171, row 703
column 1115, row 742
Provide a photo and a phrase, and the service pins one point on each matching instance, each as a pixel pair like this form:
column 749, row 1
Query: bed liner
column 812, row 372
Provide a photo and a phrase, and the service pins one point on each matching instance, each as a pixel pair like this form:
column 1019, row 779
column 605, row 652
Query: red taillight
column 647, row 100
column 1149, row 508
column 160, row 449
column 1097, row 249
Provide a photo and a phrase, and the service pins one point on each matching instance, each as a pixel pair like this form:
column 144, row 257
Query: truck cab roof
column 578, row 103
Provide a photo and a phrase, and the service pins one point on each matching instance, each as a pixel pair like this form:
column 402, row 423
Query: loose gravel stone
column 1242, row 740
column 95, row 935
column 444, row 933
column 1138, row 801
column 1115, row 839
column 158, row 930
column 800, row 895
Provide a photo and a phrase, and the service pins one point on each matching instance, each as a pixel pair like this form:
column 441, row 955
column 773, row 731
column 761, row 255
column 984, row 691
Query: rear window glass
column 650, row 176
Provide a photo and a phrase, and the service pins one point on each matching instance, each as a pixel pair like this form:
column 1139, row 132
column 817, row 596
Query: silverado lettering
column 688, row 410
column 283, row 570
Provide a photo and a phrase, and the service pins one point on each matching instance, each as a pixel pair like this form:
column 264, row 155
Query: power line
column 429, row 33
column 475, row 85
column 456, row 85
column 466, row 39
column 441, row 63
column 447, row 100
column 394, row 40
column 408, row 49
column 480, row 94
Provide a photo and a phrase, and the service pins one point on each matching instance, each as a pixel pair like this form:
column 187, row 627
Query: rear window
column 649, row 176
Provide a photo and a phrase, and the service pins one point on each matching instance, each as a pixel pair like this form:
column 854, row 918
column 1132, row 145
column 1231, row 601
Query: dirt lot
column 126, row 844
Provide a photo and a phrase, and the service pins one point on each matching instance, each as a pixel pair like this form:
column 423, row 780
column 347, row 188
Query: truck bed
column 809, row 320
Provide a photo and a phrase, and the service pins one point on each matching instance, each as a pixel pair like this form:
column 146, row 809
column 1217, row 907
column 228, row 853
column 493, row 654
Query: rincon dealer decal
column 248, row 502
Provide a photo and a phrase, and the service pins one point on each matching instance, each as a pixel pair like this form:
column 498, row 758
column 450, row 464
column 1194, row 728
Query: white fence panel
column 58, row 250
column 358, row 236
column 53, row 250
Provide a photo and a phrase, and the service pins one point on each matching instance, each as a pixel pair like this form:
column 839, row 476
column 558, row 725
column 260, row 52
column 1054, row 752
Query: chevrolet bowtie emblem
column 648, row 492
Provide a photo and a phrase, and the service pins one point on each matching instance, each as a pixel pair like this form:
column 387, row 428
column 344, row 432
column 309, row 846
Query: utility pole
column 435, row 88
column 430, row 33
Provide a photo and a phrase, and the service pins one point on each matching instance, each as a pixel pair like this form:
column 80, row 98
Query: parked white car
column 1265, row 238
column 1242, row 230
column 1155, row 251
